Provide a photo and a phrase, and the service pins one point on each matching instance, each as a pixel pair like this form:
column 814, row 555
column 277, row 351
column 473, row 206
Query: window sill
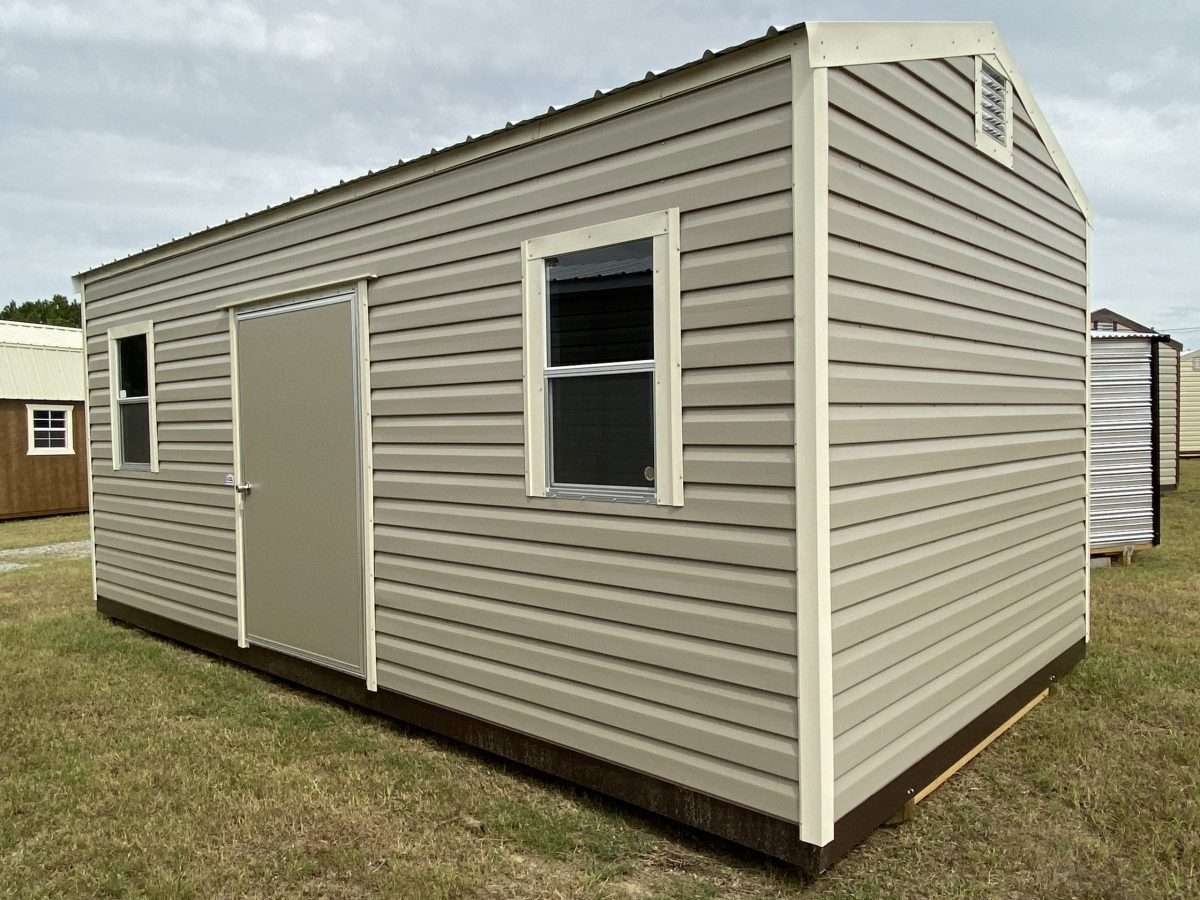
column 50, row 451
column 616, row 496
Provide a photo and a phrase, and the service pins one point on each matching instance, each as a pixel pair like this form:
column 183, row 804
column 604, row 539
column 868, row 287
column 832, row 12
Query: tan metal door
column 301, row 515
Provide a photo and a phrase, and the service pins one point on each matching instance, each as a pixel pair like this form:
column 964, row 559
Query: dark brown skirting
column 766, row 834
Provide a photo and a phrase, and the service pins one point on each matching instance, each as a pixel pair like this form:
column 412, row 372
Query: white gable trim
column 835, row 44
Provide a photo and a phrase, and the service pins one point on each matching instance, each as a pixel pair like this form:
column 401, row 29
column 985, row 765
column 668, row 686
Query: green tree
column 58, row 310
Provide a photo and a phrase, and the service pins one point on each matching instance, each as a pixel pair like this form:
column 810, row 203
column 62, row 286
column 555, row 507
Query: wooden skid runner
column 910, row 806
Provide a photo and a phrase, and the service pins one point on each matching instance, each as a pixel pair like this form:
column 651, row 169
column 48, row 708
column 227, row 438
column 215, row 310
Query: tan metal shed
column 1189, row 404
column 718, row 442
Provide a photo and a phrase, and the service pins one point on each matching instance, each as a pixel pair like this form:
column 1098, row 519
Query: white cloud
column 123, row 124
column 201, row 24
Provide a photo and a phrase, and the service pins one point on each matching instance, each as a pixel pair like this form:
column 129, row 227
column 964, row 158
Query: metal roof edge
column 601, row 105
column 830, row 44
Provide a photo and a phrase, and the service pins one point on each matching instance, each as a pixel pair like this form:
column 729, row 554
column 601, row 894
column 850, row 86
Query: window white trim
column 1002, row 152
column 663, row 228
column 114, row 395
column 69, row 448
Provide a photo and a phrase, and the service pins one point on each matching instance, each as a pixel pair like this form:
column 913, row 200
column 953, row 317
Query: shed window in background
column 602, row 362
column 131, row 381
column 50, row 431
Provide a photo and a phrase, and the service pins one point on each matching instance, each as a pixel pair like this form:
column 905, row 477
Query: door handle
column 243, row 488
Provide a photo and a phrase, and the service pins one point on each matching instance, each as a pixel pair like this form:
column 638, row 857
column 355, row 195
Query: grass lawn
column 34, row 532
column 132, row 767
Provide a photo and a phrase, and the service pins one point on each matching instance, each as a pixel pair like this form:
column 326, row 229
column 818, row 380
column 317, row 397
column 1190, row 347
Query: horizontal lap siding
column 165, row 541
column 1189, row 404
column 659, row 638
column 957, row 346
column 1168, row 415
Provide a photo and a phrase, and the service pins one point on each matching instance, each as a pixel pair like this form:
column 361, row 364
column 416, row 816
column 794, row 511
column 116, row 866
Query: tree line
column 58, row 310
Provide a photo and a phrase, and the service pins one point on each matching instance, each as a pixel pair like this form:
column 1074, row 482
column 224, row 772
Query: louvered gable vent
column 994, row 101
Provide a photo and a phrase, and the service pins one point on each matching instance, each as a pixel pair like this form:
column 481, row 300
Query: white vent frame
column 1002, row 152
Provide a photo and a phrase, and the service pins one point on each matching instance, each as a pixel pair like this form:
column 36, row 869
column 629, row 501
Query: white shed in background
column 1123, row 510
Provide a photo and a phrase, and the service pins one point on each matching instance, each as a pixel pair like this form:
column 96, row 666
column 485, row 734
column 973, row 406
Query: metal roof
column 40, row 362
column 1106, row 316
column 1121, row 335
column 651, row 75
column 846, row 34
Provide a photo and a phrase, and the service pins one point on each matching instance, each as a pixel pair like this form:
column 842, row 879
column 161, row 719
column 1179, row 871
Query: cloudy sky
column 123, row 124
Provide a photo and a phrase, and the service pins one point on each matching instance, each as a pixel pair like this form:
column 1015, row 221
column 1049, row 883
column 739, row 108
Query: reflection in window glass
column 601, row 304
column 132, row 366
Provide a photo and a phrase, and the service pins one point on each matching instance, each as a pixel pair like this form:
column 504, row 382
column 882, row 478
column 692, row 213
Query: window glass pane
column 135, row 432
column 58, row 418
column 602, row 430
column 132, row 367
column 41, row 418
column 601, row 304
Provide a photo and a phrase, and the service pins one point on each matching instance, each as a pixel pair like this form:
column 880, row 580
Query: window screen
column 600, row 372
column 50, row 429
column 133, row 379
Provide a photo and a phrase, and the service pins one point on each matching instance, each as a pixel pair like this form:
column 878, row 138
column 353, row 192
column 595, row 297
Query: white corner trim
column 1087, row 436
column 814, row 641
column 663, row 228
column 984, row 142
column 87, row 435
column 68, row 433
column 366, row 448
column 834, row 44
column 239, row 538
column 115, row 333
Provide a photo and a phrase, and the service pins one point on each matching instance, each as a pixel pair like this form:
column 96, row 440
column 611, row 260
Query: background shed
column 1189, row 404
column 1168, row 352
column 43, row 463
column 1124, row 506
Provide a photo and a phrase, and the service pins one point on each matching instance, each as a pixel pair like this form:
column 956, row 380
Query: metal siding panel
column 767, row 507
column 957, row 347
column 868, row 100
column 768, row 548
column 636, row 598
column 763, row 712
column 728, row 623
column 773, row 795
column 718, row 660
column 1168, row 415
column 1189, row 404
column 1122, row 462
column 859, row 783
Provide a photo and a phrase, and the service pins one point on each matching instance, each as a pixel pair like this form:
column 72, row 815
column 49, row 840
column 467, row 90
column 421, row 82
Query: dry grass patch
column 133, row 767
